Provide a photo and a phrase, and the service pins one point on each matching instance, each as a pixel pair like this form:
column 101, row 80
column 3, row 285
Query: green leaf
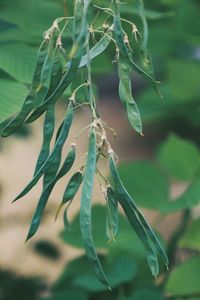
column 146, row 294
column 34, row 16
column 126, row 239
column 18, row 60
column 12, row 95
column 145, row 183
column 179, row 157
column 188, row 199
column 17, row 34
column 183, row 78
column 184, row 279
column 70, row 293
column 191, row 238
column 120, row 271
column 74, row 236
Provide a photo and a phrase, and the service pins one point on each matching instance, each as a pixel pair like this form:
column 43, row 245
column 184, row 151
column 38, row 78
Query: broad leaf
column 120, row 271
column 146, row 294
column 18, row 60
column 145, row 183
column 34, row 16
column 12, row 95
column 184, row 279
column 179, row 157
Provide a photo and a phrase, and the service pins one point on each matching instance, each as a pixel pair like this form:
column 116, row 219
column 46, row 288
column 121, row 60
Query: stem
column 91, row 95
column 174, row 241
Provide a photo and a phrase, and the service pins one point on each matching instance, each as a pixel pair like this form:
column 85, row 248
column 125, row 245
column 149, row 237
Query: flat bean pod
column 143, row 38
column 69, row 160
column 65, row 220
column 147, row 227
column 85, row 210
column 56, row 73
column 76, row 53
column 70, row 190
column 112, row 216
column 95, row 51
column 55, row 154
column 78, row 13
column 139, row 229
column 125, row 93
column 119, row 36
column 56, row 76
column 48, row 130
column 125, row 197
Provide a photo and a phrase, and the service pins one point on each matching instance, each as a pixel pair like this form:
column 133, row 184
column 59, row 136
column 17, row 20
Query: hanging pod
column 48, row 130
column 143, row 38
column 70, row 190
column 27, row 106
column 126, row 54
column 139, row 229
column 137, row 220
column 125, row 93
column 75, row 55
column 112, row 216
column 53, row 160
column 56, row 76
column 38, row 89
column 86, row 210
column 69, row 160
column 95, row 51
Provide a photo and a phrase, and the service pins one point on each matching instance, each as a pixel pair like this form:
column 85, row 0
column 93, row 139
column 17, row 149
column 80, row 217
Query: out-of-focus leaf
column 186, row 27
column 74, row 238
column 76, row 267
column 146, row 294
column 126, row 239
column 191, row 238
column 18, row 60
column 70, row 293
column 12, row 95
column 145, row 183
column 34, row 16
column 179, row 157
column 183, row 77
column 16, row 34
column 184, row 279
column 120, row 271
column 188, row 199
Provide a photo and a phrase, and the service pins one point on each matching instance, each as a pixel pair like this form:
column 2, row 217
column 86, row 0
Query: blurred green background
column 160, row 170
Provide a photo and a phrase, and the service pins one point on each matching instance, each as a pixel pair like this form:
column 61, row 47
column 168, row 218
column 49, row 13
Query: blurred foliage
column 21, row 288
column 174, row 42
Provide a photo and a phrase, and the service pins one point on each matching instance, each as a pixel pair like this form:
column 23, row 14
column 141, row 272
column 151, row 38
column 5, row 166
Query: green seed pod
column 85, row 210
column 53, row 161
column 125, row 93
column 69, row 160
